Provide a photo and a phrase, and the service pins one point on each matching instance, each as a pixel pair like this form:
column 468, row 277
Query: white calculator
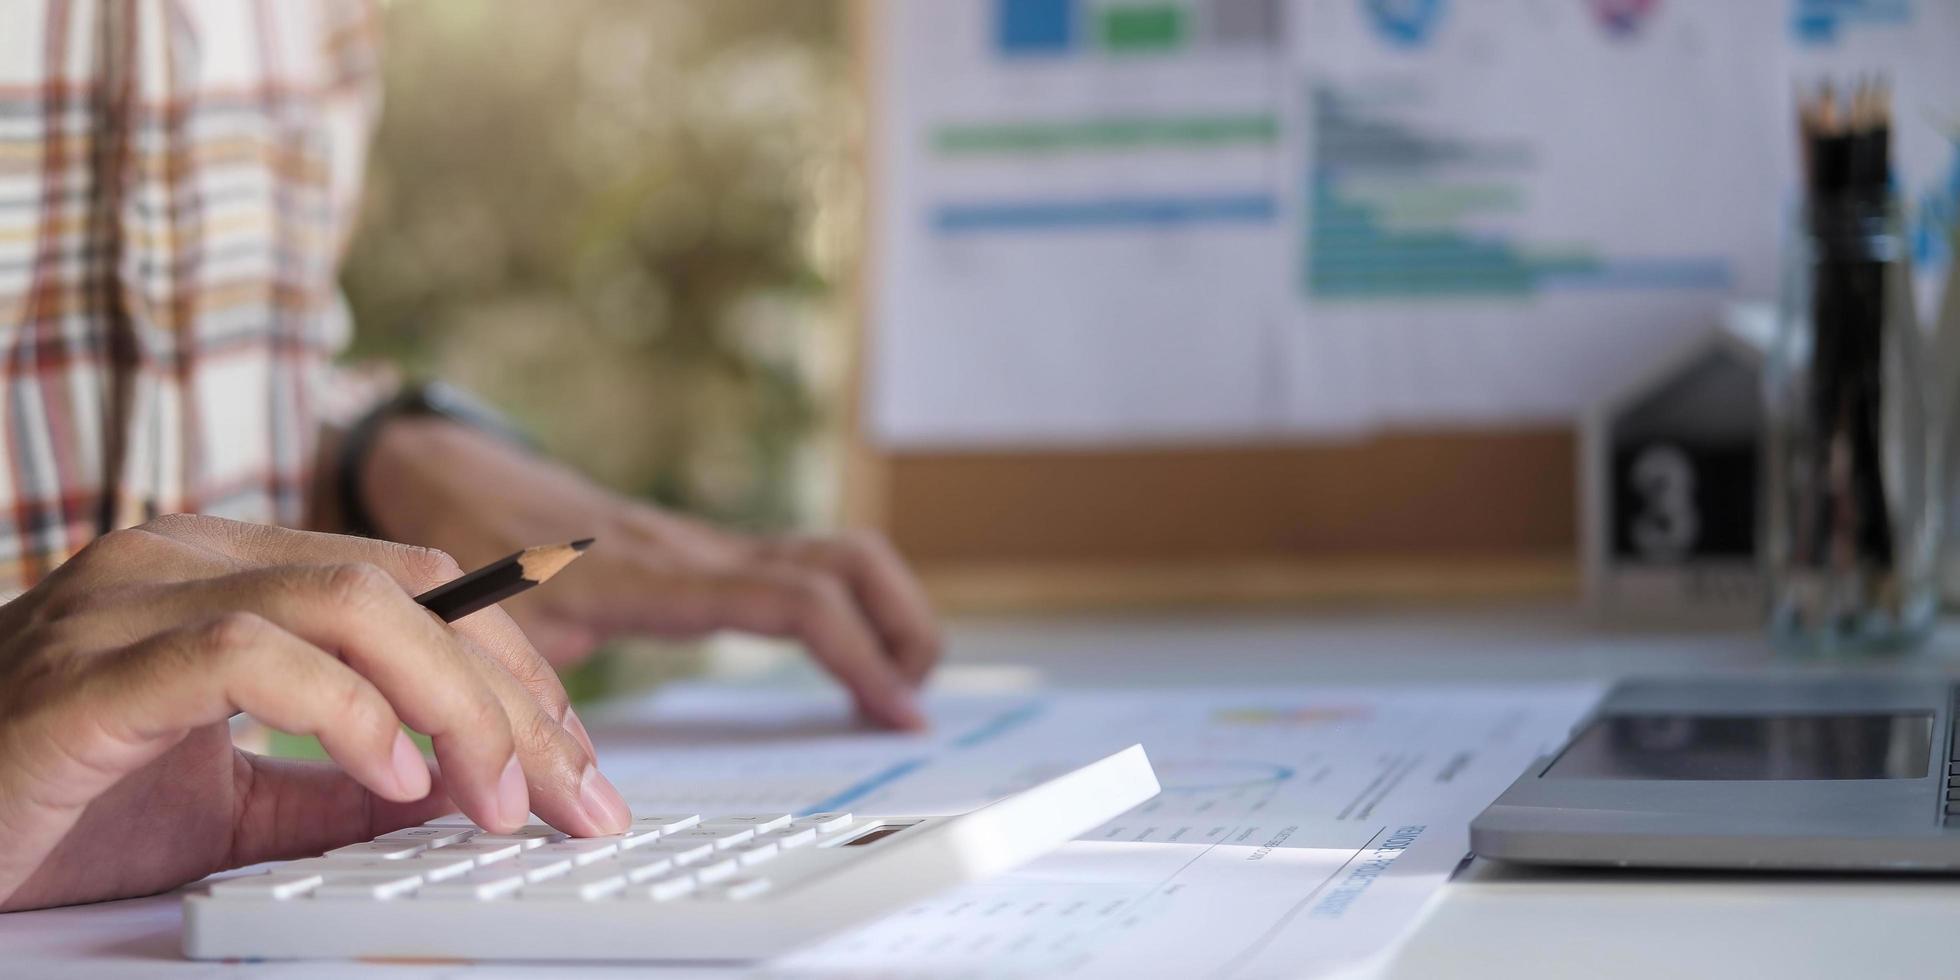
column 675, row 886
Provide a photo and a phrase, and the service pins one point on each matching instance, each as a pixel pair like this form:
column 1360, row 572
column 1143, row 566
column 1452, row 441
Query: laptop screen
column 1749, row 747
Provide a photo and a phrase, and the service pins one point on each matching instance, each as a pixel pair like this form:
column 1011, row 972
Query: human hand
column 119, row 671
column 849, row 600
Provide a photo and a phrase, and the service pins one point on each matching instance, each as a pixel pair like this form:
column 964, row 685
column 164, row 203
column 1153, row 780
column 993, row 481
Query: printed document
column 1300, row 831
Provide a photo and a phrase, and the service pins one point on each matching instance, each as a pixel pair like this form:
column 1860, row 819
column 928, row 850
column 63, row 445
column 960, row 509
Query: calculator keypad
column 662, row 858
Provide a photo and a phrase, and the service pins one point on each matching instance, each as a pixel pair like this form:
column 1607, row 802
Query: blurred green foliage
column 617, row 219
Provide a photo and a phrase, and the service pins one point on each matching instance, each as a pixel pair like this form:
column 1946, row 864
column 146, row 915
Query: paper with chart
column 1300, row 831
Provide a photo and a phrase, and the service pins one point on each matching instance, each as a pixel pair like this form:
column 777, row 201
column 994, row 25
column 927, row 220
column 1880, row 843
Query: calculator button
column 738, row 889
column 825, row 823
column 392, row 849
column 542, row 868
column 526, row 836
column 452, row 820
column 342, row 868
column 375, row 889
column 581, row 852
column 666, row 889
column 793, row 837
column 585, row 885
column 716, row 870
column 524, row 842
column 546, row 831
column 633, row 837
column 644, row 867
column 720, row 837
column 1953, row 769
column 760, row 823
column 681, row 851
column 432, row 836
column 480, row 886
column 279, row 885
column 667, row 823
column 755, row 854
column 436, row 867
column 484, row 852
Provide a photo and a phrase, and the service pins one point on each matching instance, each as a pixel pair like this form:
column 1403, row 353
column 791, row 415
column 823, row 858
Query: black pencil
column 499, row 580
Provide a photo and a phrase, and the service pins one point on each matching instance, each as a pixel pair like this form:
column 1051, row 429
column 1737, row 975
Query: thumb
column 295, row 808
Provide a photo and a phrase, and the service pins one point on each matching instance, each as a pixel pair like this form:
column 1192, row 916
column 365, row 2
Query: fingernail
column 601, row 802
column 513, row 801
column 577, row 728
column 411, row 772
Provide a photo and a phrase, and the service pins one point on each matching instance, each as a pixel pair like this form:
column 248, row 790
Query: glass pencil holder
column 1853, row 487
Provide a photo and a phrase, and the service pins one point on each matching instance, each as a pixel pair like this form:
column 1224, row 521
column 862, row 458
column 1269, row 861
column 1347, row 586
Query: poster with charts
column 1110, row 222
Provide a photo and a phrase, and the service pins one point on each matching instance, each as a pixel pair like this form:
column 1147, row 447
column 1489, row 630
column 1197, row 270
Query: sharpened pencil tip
column 582, row 544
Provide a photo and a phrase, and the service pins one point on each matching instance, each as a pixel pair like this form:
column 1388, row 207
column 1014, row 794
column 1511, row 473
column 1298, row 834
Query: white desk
column 1494, row 921
column 1490, row 922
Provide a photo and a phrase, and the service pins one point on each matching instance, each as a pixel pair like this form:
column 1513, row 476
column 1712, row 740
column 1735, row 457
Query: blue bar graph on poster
column 1823, row 21
column 976, row 217
column 1034, row 27
column 1398, row 210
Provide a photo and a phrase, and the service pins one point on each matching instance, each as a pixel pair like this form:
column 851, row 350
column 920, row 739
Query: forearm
column 413, row 476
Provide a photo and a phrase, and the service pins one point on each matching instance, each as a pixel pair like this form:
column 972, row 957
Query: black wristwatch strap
column 431, row 399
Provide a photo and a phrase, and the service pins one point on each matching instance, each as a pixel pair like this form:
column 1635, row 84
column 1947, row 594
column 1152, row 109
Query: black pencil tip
column 582, row 544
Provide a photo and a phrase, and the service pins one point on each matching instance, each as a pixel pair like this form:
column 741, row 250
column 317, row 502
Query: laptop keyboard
column 1952, row 810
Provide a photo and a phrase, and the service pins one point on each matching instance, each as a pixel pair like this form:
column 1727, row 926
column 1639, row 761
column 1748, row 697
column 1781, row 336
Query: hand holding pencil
column 133, row 656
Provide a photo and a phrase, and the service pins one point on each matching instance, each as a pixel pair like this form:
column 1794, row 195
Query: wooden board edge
column 1058, row 587
column 864, row 474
